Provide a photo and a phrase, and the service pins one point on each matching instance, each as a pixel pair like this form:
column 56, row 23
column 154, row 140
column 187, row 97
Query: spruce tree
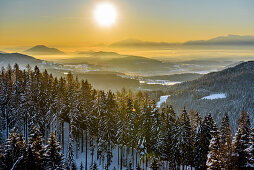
column 38, row 148
column 250, row 150
column 226, row 143
column 203, row 137
column 241, row 142
column 186, row 139
column 214, row 155
column 53, row 156
column 29, row 159
column 12, row 151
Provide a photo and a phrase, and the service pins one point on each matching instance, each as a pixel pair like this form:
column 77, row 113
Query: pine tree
column 186, row 139
column 203, row 137
column 241, row 142
column 226, row 144
column 29, row 161
column 21, row 144
column 53, row 156
column 194, row 119
column 12, row 151
column 38, row 148
column 166, row 135
column 214, row 155
column 250, row 150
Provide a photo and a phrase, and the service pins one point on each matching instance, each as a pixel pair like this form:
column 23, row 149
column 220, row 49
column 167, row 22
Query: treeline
column 18, row 154
column 107, row 120
column 235, row 82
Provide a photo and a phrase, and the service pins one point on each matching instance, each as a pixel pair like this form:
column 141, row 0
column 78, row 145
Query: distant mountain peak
column 42, row 49
column 229, row 40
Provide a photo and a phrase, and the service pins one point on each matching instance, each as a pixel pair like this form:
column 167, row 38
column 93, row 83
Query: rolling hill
column 21, row 59
column 111, row 61
column 227, row 91
column 105, row 80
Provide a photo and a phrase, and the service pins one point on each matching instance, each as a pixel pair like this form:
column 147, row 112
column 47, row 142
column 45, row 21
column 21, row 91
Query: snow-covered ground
column 215, row 96
column 163, row 99
column 79, row 156
column 161, row 82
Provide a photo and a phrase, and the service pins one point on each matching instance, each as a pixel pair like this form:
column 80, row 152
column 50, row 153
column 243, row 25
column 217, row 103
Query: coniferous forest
column 35, row 106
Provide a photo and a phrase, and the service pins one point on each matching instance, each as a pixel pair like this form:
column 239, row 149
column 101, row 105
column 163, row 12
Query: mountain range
column 229, row 40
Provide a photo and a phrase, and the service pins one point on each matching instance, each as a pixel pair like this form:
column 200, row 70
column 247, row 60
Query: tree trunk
column 132, row 153
column 82, row 141
column 62, row 123
column 146, row 161
column 136, row 159
column 6, row 117
column 92, row 150
column 86, row 152
column 121, row 160
column 118, row 157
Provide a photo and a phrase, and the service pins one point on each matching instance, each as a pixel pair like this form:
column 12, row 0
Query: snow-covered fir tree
column 38, row 148
column 226, row 143
column 53, row 156
column 250, row 150
column 214, row 155
column 241, row 142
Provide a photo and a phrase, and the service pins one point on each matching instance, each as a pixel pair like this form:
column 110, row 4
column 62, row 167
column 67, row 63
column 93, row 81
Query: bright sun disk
column 105, row 14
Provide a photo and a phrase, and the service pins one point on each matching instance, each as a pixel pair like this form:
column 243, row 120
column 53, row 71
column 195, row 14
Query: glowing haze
column 85, row 23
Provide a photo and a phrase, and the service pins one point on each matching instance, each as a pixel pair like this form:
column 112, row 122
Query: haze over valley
column 126, row 84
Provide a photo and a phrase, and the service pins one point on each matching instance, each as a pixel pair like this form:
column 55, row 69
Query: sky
column 70, row 23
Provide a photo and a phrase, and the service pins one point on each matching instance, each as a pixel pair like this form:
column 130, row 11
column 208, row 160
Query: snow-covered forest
column 64, row 123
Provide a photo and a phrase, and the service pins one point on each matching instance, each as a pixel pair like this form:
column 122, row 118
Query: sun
column 105, row 14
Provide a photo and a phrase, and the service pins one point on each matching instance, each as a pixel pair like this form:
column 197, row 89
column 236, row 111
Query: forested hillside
column 35, row 106
column 236, row 83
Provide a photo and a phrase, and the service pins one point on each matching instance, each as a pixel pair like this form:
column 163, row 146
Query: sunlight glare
column 105, row 14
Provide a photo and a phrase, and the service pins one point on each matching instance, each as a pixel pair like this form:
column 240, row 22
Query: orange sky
column 70, row 24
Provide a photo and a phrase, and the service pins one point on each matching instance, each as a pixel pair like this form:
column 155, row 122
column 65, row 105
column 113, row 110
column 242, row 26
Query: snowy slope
column 215, row 96
column 163, row 99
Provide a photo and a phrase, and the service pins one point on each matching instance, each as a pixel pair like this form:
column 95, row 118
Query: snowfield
column 163, row 99
column 129, row 157
column 215, row 96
